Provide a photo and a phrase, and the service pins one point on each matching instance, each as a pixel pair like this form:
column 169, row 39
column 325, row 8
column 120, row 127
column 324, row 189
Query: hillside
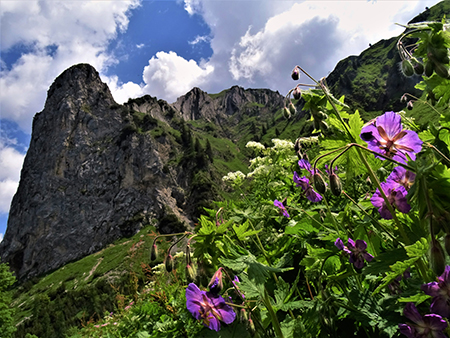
column 99, row 177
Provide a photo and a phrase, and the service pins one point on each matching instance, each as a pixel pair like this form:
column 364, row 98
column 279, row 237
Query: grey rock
column 94, row 172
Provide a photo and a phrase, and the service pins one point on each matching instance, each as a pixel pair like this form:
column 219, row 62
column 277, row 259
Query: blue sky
column 165, row 48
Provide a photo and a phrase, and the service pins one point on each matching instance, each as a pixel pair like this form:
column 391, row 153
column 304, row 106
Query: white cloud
column 168, row 75
column 122, row 91
column 57, row 34
column 199, row 39
column 140, row 45
column 1, row 237
column 10, row 165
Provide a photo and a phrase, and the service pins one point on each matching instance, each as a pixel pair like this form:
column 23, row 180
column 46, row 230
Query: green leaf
column 355, row 123
column 418, row 298
column 417, row 249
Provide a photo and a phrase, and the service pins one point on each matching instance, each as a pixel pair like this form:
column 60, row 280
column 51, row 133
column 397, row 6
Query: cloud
column 169, row 76
column 123, row 91
column 54, row 35
column 10, row 165
column 1, row 237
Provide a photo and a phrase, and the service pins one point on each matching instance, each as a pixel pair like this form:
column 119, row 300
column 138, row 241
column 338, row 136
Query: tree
column 7, row 279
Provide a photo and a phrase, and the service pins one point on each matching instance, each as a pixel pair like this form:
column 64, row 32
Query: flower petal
column 339, row 244
column 440, row 306
column 194, row 300
column 391, row 123
column 360, row 245
column 411, row 313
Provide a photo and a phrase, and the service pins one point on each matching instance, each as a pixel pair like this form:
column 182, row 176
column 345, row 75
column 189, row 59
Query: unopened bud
column 404, row 98
column 286, row 113
column 188, row 254
column 297, row 93
column 418, row 66
column 292, row 109
column 407, row 68
column 295, row 74
column 243, row 316
column 409, row 105
column 216, row 284
column 251, row 326
column 437, row 258
column 335, row 185
column 429, row 68
column 169, row 263
column 319, row 183
column 191, row 273
column 442, row 70
column 153, row 252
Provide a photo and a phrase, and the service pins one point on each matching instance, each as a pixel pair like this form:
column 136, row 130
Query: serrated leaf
column 355, row 123
column 418, row 298
column 417, row 249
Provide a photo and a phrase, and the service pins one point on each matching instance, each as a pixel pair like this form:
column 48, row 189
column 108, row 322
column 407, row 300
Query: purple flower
column 385, row 135
column 304, row 164
column 310, row 193
column 402, row 176
column 356, row 250
column 428, row 326
column 440, row 290
column 207, row 307
column 280, row 205
column 396, row 195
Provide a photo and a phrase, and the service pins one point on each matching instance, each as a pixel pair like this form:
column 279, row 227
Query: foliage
column 7, row 279
column 367, row 256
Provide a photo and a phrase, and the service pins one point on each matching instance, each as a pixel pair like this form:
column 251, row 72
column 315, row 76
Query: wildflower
column 256, row 145
column 280, row 205
column 356, row 250
column 385, row 135
column 430, row 325
column 209, row 308
column 402, row 176
column 304, row 164
column 396, row 195
column 440, row 291
column 310, row 193
column 216, row 284
column 394, row 286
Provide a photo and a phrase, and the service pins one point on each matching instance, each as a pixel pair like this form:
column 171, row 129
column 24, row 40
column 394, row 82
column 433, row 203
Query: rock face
column 97, row 171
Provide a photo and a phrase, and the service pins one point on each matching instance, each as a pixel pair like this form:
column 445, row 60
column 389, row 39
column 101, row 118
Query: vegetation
column 284, row 252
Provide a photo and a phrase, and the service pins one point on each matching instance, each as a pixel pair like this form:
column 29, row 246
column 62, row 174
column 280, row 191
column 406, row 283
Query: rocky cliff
column 97, row 171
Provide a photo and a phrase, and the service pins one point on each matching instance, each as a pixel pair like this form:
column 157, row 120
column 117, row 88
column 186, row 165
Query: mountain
column 97, row 171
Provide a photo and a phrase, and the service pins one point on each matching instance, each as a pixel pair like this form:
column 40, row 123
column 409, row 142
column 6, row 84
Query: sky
column 165, row 48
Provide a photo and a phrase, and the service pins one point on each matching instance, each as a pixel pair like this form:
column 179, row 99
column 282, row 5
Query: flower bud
column 409, row 105
column 191, row 273
column 216, row 283
column 407, row 68
column 169, row 263
column 292, row 109
column 286, row 113
column 319, row 183
column 243, row 316
column 295, row 74
column 153, row 252
column 437, row 258
column 429, row 68
column 439, row 54
column 335, row 184
column 297, row 93
column 442, row 70
column 251, row 326
column 418, row 66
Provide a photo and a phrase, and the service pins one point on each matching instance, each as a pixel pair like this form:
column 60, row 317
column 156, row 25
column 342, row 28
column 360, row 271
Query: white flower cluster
column 261, row 170
column 282, row 144
column 235, row 177
column 256, row 145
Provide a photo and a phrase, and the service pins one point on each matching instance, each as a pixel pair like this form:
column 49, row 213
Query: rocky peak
column 89, row 177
